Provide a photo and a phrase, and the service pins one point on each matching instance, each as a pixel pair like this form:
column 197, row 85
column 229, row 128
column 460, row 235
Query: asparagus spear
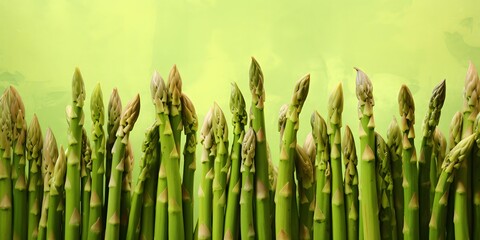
column 34, row 147
column 430, row 122
column 351, row 183
column 126, row 195
column 283, row 223
column 367, row 188
column 463, row 205
column 476, row 181
column 205, row 194
column 55, row 205
column 306, row 191
column 322, row 221
column 220, row 132
column 50, row 155
column 148, row 148
column 114, row 112
column 127, row 121
column 5, row 175
column 19, row 131
column 409, row 160
column 262, row 213
column 190, row 123
column 334, row 123
column 86, row 184
column 174, row 91
column 450, row 167
column 394, row 144
column 95, row 218
column 388, row 223
column 239, row 120
column 75, row 120
column 170, row 159
column 246, row 199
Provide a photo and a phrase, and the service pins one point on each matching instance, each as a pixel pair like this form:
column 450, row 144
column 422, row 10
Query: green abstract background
column 120, row 44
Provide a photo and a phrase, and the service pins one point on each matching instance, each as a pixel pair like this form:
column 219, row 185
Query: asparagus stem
column 334, row 124
column 388, row 223
column 161, row 207
column 6, row 213
column 306, row 191
column 272, row 177
column 430, row 122
column 205, row 194
column 148, row 157
column 409, row 160
column 86, row 184
column 394, row 144
column 126, row 195
column 438, row 155
column 174, row 91
column 50, row 155
column 322, row 222
column 72, row 183
column 34, row 147
column 463, row 183
column 170, row 157
column 246, row 198
column 450, row 167
column 127, row 122
column 309, row 205
column 114, row 114
column 239, row 120
column 95, row 218
column 190, row 123
column 55, row 205
column 283, row 209
column 220, row 132
column 351, row 183
column 367, row 187
column 19, row 131
column 262, row 211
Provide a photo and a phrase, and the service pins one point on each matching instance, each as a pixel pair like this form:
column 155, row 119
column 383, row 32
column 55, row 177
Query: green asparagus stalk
column 127, row 121
column 450, row 167
column 322, row 228
column 409, row 161
column 205, row 194
column 438, row 155
column 334, row 124
column 351, row 183
column 247, row 228
column 309, row 205
column 174, row 91
column 114, row 114
column 476, row 181
column 150, row 193
column 239, row 120
column 55, row 202
column 95, row 217
column 50, row 155
column 285, row 183
column 462, row 219
column 34, row 147
column 220, row 132
column 86, row 184
column 388, row 223
column 367, row 187
column 6, row 203
column 262, row 203
column 190, row 123
column 75, row 120
column 148, row 148
column 126, row 195
column 306, row 191
column 455, row 135
column 430, row 122
column 394, row 144
column 19, row 131
column 311, row 150
column 171, row 160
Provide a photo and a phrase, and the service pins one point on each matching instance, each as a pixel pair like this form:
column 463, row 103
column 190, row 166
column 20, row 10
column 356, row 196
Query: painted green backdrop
column 120, row 43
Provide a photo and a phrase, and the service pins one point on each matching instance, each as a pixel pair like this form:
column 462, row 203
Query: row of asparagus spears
column 317, row 191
